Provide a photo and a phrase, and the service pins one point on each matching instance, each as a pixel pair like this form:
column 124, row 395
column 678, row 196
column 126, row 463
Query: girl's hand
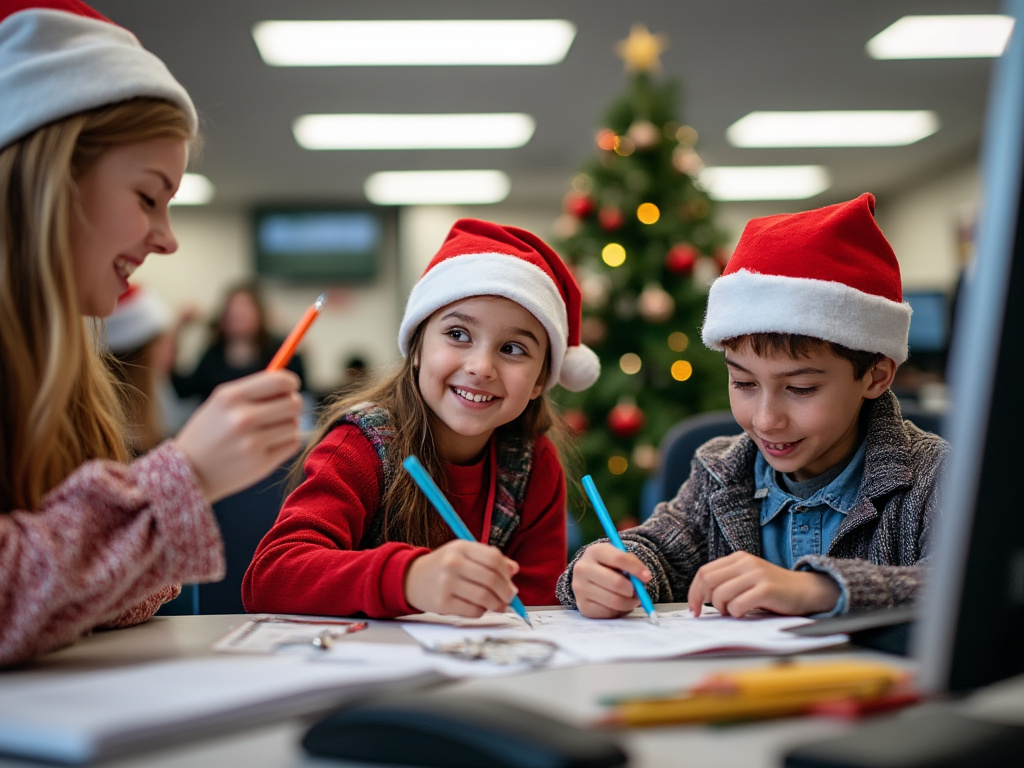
column 244, row 430
column 462, row 578
column 602, row 590
column 741, row 582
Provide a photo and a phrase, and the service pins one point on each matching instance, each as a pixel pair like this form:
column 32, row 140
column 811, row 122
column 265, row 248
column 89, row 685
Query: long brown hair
column 57, row 399
column 408, row 516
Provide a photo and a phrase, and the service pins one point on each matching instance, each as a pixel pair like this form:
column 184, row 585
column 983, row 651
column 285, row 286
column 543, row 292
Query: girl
column 94, row 138
column 490, row 326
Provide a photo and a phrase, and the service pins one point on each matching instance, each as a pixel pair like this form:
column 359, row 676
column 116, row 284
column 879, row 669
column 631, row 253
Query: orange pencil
column 284, row 354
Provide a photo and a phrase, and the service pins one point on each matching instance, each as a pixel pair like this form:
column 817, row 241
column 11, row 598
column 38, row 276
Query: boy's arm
column 672, row 544
column 868, row 586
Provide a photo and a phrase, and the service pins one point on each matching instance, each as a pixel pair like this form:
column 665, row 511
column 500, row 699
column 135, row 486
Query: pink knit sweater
column 106, row 548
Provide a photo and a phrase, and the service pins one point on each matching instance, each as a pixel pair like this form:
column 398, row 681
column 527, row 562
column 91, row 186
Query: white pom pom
column 580, row 368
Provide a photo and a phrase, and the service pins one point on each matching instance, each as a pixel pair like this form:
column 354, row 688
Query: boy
column 826, row 503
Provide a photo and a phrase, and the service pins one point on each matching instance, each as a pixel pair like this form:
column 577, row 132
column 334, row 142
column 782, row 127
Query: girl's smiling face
column 481, row 361
column 123, row 217
column 802, row 413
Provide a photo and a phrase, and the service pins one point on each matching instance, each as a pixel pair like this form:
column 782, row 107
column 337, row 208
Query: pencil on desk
column 613, row 535
column 774, row 691
column 284, row 354
column 444, row 508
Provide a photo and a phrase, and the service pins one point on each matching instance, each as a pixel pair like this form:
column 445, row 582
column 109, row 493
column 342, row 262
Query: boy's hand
column 462, row 578
column 602, row 590
column 245, row 429
column 741, row 582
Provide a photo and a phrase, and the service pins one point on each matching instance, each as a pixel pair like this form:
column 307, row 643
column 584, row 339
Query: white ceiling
column 731, row 57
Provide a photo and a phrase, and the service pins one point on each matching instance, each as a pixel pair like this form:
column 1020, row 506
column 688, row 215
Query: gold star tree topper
column 641, row 50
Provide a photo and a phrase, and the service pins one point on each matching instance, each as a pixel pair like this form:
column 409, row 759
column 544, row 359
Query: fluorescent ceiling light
column 764, row 182
column 942, row 37
column 467, row 131
column 195, row 189
column 401, row 43
column 852, row 128
column 436, row 187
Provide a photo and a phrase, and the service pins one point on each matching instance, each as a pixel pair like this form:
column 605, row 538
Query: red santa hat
column 479, row 258
column 60, row 57
column 827, row 273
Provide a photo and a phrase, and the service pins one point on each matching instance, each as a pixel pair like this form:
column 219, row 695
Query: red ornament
column 579, row 205
column 576, row 420
column 680, row 258
column 625, row 420
column 611, row 219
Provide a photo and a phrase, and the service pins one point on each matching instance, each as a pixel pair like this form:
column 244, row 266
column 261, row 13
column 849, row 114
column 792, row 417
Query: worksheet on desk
column 633, row 637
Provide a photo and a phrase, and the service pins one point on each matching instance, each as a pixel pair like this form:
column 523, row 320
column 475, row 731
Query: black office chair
column 243, row 518
column 677, row 449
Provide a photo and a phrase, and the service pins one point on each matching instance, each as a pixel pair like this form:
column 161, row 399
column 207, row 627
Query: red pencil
column 284, row 354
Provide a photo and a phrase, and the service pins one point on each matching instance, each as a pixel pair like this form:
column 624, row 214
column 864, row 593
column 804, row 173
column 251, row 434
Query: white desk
column 567, row 693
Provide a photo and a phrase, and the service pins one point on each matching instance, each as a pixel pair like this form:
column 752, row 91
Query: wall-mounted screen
column 929, row 324
column 323, row 244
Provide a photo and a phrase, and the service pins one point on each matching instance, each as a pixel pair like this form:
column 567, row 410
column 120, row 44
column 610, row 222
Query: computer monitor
column 970, row 630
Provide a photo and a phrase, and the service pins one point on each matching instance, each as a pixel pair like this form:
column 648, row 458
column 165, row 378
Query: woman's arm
column 103, row 548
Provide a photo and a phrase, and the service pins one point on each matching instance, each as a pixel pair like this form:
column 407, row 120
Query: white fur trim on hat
column 139, row 317
column 492, row 274
column 54, row 64
column 746, row 302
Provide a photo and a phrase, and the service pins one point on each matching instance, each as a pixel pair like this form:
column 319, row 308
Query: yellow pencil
column 781, row 678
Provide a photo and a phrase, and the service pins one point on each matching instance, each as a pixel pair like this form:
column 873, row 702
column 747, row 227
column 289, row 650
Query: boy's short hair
column 796, row 346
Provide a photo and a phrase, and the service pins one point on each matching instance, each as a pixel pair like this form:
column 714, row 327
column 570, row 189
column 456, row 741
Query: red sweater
column 307, row 563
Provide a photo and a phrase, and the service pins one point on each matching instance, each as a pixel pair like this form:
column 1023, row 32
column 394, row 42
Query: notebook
column 79, row 717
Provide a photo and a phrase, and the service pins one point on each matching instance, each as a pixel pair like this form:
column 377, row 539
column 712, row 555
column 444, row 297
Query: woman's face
column 124, row 217
column 241, row 319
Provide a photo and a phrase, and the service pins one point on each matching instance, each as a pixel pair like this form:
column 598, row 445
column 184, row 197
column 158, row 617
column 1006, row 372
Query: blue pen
column 609, row 529
column 433, row 493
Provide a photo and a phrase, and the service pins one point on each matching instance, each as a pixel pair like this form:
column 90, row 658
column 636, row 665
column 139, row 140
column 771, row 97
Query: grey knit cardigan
column 879, row 555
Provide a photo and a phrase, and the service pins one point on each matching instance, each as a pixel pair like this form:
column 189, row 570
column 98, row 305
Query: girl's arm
column 102, row 549
column 309, row 562
column 539, row 543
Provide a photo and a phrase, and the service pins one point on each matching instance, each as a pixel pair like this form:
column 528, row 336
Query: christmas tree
column 639, row 232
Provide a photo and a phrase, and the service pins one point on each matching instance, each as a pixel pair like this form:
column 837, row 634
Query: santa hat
column 827, row 273
column 139, row 317
column 479, row 258
column 60, row 57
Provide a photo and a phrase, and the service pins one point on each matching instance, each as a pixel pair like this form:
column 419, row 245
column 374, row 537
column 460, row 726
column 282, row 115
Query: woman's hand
column 243, row 431
column 600, row 585
column 741, row 582
column 462, row 578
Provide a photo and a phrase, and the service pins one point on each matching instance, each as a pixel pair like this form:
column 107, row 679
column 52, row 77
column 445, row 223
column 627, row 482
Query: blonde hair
column 58, row 401
column 408, row 516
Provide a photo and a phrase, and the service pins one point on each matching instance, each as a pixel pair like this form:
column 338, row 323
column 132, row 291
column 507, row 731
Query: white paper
column 273, row 634
column 633, row 637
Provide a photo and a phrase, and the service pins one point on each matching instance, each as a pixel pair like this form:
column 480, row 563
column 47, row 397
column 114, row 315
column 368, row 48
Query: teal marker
column 433, row 493
column 609, row 529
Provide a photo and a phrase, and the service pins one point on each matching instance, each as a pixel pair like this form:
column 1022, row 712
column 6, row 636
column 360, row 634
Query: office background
column 730, row 58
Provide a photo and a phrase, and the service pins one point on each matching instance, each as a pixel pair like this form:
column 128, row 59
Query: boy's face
column 803, row 412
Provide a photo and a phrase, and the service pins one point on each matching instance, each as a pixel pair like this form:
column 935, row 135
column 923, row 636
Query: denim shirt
column 792, row 527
